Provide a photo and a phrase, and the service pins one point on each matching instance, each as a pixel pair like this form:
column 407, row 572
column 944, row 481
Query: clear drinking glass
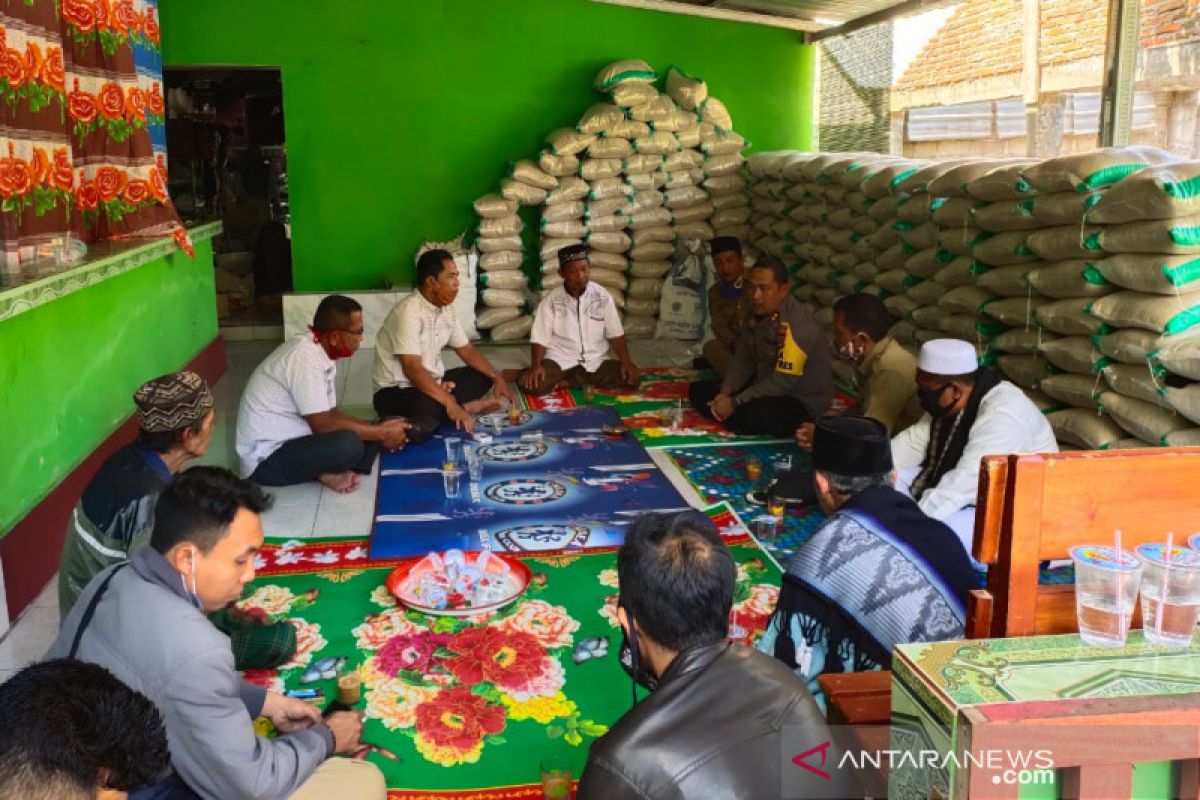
column 451, row 482
column 556, row 778
column 474, row 461
column 453, row 448
column 766, row 527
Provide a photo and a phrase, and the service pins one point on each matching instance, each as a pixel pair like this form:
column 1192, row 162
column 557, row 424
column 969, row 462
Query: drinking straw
column 1120, row 601
column 1162, row 597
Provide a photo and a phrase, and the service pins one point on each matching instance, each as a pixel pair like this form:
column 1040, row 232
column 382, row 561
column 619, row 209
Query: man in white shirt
column 969, row 413
column 409, row 376
column 289, row 429
column 572, row 330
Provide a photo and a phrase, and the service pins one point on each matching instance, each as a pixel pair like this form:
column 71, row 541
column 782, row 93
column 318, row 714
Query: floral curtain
column 82, row 125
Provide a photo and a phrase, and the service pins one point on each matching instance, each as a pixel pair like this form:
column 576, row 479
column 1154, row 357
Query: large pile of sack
column 1077, row 276
column 641, row 170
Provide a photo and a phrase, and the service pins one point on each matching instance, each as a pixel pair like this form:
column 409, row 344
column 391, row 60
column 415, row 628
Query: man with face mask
column 969, row 413
column 841, row 607
column 289, row 429
column 573, row 329
column 711, row 727
column 781, row 375
column 886, row 371
column 144, row 620
column 410, row 378
column 728, row 303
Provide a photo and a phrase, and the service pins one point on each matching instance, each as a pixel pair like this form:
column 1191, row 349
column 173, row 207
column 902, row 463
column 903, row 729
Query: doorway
column 227, row 156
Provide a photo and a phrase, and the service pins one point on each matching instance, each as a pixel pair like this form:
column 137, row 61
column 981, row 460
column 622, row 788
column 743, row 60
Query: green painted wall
column 69, row 368
column 400, row 112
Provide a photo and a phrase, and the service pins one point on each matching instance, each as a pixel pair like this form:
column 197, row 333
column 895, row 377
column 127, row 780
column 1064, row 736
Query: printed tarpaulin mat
column 719, row 473
column 647, row 410
column 552, row 480
column 469, row 707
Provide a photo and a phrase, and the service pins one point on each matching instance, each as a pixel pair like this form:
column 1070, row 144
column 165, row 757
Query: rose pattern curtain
column 82, row 125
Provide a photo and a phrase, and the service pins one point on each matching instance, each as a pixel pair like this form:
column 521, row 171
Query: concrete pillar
column 896, row 133
column 1183, row 124
column 1048, row 126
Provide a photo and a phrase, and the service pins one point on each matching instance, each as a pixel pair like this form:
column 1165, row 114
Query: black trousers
column 410, row 402
column 304, row 459
column 764, row 416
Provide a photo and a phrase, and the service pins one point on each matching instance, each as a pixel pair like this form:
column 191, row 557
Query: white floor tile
column 48, row 597
column 347, row 514
column 29, row 638
column 291, row 521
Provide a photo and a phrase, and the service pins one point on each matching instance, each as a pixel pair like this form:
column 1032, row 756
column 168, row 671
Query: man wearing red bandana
column 289, row 427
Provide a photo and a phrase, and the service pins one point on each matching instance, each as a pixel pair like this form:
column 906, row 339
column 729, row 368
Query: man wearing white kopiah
column 970, row 412
column 573, row 329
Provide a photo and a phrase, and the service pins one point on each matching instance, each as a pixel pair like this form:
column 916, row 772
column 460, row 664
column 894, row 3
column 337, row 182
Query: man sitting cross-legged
column 409, row 376
column 144, row 621
column 289, row 429
column 781, row 374
column 573, row 329
column 887, row 373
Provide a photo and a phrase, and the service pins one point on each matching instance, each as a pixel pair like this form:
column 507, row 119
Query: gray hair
column 850, row 485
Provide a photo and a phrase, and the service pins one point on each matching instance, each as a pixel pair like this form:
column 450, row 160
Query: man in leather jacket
column 712, row 725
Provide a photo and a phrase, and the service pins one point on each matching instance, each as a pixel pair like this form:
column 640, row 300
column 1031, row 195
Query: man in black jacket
column 713, row 723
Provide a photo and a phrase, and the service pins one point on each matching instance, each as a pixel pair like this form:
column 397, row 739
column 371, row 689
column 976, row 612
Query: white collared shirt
column 296, row 380
column 415, row 327
column 576, row 331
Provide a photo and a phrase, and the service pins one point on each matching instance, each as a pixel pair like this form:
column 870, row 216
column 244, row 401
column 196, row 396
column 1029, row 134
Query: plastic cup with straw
column 1170, row 593
column 1106, row 585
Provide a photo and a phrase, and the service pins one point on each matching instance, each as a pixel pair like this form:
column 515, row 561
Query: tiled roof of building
column 982, row 38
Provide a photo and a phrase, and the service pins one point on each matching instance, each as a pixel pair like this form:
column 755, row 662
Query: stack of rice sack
column 1145, row 230
column 770, row 198
column 502, row 284
column 919, row 263
column 1074, row 341
column 652, row 169
column 640, row 170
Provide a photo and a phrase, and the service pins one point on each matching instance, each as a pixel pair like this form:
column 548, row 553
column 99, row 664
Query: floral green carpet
column 469, row 707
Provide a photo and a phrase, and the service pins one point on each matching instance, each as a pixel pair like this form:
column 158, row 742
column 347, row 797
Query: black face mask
column 931, row 401
column 631, row 660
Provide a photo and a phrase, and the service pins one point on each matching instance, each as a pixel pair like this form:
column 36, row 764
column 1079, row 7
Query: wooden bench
column 1052, row 502
column 1032, row 508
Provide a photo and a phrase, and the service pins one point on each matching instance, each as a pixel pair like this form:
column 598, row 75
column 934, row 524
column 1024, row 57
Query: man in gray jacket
column 781, row 374
column 145, row 621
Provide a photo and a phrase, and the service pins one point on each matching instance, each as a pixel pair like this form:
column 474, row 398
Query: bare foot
column 482, row 406
column 341, row 482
